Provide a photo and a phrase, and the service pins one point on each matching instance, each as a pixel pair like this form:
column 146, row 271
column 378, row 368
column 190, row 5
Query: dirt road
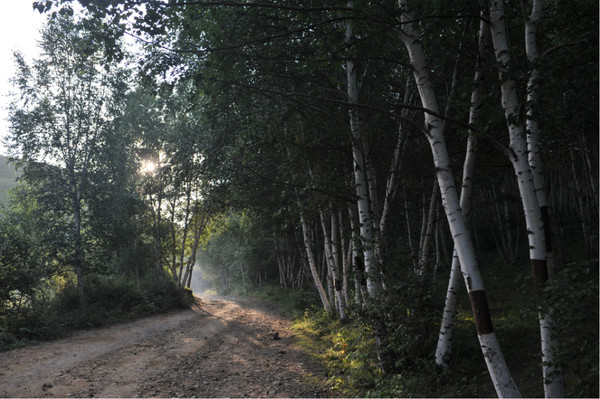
column 223, row 347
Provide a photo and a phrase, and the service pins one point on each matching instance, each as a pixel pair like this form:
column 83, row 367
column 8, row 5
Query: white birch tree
column 525, row 158
column 313, row 265
column 498, row 370
column 332, row 259
column 444, row 345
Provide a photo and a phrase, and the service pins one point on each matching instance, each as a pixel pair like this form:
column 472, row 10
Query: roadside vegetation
column 54, row 312
column 348, row 350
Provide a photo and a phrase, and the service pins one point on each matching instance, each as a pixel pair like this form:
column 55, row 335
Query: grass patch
column 293, row 303
column 346, row 350
column 349, row 354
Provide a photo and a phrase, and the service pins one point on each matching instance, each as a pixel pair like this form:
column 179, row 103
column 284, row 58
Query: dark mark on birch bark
column 481, row 311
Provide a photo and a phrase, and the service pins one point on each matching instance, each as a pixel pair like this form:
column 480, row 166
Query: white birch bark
column 498, row 370
column 328, row 271
column 331, row 255
column 338, row 272
column 360, row 175
column 280, row 262
column 345, row 256
column 370, row 246
column 518, row 145
column 444, row 345
column 355, row 250
column 427, row 242
column 529, row 177
column 313, row 266
column 553, row 379
column 532, row 123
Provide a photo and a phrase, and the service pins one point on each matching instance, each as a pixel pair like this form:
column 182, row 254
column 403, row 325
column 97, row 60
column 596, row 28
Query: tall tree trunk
column 531, row 190
column 345, row 257
column 364, row 185
column 280, row 261
column 444, row 345
column 501, row 377
column 313, row 266
column 199, row 228
column 357, row 267
column 427, row 242
column 241, row 266
column 361, row 182
column 75, row 188
column 328, row 273
column 156, row 219
column 188, row 198
column 78, row 246
column 173, row 263
column 188, row 282
column 413, row 255
column 581, row 205
column 337, row 267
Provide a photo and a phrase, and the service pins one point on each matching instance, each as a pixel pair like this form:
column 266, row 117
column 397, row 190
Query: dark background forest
column 314, row 153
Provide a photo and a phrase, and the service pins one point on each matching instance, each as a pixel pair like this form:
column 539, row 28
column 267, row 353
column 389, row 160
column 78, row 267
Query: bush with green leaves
column 574, row 305
column 111, row 299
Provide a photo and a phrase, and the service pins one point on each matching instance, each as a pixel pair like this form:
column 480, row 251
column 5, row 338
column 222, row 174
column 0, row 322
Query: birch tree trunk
column 427, row 242
column 444, row 345
column 331, row 257
column 280, row 264
column 359, row 287
column 532, row 123
column 364, row 183
column 337, row 263
column 345, row 257
column 78, row 245
column 526, row 177
column 361, row 182
column 313, row 266
column 498, row 370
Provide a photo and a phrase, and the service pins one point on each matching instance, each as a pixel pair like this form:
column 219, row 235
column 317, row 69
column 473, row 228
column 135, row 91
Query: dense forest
column 421, row 177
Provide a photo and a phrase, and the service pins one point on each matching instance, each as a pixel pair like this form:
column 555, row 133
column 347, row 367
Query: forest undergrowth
column 348, row 351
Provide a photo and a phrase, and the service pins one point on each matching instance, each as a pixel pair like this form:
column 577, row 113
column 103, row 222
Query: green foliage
column 409, row 312
column 573, row 299
column 349, row 353
column 54, row 312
